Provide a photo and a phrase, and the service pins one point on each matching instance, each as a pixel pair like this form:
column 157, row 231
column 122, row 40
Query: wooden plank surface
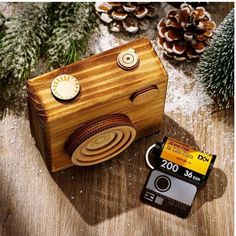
column 104, row 199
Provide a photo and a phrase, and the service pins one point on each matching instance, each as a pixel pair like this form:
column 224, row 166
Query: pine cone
column 193, row 4
column 185, row 32
column 125, row 16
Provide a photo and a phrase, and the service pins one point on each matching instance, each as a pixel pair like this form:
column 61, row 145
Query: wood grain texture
column 104, row 199
column 105, row 89
column 101, row 80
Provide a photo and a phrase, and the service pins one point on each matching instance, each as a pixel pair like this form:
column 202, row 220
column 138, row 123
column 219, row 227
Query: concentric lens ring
column 100, row 139
column 104, row 146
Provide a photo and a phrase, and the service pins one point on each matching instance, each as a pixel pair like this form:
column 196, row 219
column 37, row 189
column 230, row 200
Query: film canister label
column 182, row 160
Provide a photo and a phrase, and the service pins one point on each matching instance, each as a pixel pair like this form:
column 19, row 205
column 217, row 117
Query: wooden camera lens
column 100, row 139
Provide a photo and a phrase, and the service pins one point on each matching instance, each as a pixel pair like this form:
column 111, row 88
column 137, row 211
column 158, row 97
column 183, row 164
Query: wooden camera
column 90, row 111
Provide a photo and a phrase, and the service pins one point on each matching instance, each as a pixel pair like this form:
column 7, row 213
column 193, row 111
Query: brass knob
column 128, row 59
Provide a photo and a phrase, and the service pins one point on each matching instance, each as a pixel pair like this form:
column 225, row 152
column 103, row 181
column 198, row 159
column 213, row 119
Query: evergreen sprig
column 20, row 49
column 21, row 44
column 72, row 24
column 216, row 67
column 2, row 22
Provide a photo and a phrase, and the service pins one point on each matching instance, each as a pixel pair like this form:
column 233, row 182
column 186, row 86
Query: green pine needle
column 2, row 25
column 2, row 21
column 20, row 49
column 20, row 46
column 216, row 67
column 72, row 24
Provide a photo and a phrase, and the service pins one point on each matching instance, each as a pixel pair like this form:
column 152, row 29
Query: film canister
column 178, row 172
column 181, row 160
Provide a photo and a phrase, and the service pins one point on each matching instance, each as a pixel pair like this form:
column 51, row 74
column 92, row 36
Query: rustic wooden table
column 104, row 199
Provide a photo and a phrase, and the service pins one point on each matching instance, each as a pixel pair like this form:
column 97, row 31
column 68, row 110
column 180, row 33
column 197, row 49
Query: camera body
column 121, row 99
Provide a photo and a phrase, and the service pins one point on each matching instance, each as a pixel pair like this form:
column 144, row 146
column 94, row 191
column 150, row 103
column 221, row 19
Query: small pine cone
column 125, row 16
column 185, row 32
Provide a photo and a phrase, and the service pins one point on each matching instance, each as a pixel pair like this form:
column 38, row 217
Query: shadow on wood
column 109, row 189
column 215, row 188
column 11, row 222
column 224, row 115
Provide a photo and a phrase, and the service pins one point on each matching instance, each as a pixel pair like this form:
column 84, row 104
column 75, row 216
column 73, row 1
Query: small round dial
column 128, row 59
column 65, row 87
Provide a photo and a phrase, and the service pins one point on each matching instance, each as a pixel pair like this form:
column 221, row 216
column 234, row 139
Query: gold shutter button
column 65, row 87
column 128, row 59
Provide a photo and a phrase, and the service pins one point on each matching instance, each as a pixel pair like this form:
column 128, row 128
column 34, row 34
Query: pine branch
column 20, row 46
column 216, row 67
column 71, row 27
column 2, row 23
column 20, row 50
column 2, row 20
